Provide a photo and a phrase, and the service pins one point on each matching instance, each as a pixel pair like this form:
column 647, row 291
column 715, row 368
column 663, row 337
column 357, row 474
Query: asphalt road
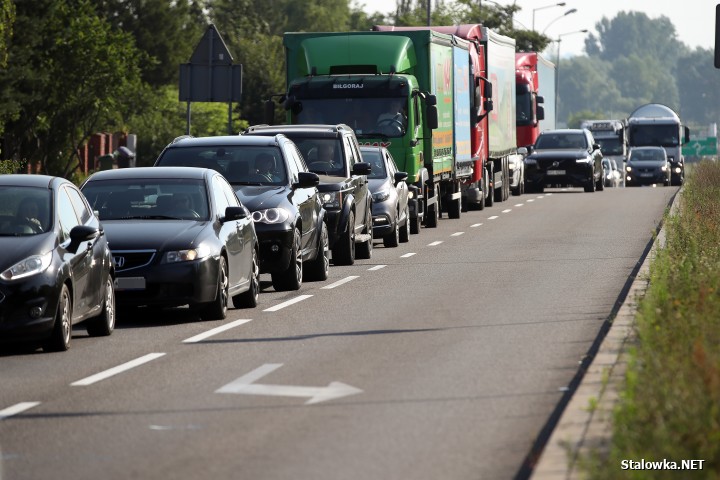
column 443, row 364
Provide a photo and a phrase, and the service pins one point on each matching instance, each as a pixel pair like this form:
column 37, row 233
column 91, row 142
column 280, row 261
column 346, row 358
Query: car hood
column 16, row 249
column 261, row 197
column 158, row 235
column 329, row 183
column 377, row 184
column 646, row 164
column 559, row 154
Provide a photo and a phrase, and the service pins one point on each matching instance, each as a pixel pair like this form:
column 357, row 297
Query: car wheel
column 319, row 268
column 62, row 331
column 104, row 324
column 364, row 250
column 599, row 185
column 291, row 278
column 249, row 298
column 344, row 251
column 404, row 236
column 217, row 309
column 392, row 239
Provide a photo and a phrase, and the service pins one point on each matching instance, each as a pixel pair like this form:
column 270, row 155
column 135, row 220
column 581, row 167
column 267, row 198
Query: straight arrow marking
column 245, row 385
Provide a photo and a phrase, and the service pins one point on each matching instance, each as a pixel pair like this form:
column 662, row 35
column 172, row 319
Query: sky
column 694, row 20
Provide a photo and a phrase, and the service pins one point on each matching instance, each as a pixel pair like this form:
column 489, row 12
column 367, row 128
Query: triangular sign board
column 211, row 49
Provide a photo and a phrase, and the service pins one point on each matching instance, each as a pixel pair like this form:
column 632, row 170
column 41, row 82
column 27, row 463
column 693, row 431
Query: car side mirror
column 362, row 168
column 400, row 177
column 234, row 213
column 82, row 233
column 596, row 146
column 306, row 180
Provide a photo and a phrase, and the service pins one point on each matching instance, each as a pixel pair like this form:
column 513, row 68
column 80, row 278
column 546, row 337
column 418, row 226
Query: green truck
column 409, row 91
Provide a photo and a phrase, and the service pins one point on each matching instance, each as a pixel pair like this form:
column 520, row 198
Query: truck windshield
column 658, row 135
column 384, row 117
column 610, row 146
column 524, row 109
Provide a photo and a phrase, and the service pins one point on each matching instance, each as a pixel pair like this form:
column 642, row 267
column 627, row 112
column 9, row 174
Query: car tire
column 217, row 309
column 59, row 340
column 404, row 236
column 415, row 221
column 344, row 251
column 599, row 185
column 291, row 278
column 104, row 324
column 364, row 250
column 392, row 239
column 249, row 298
column 318, row 269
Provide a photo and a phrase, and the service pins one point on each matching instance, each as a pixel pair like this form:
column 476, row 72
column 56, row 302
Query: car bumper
column 27, row 308
column 169, row 284
column 576, row 174
column 383, row 218
column 646, row 177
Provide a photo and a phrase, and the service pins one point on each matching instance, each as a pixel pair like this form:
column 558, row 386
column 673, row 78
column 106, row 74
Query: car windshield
column 324, row 156
column 380, row 117
column 375, row 159
column 25, row 210
column 560, row 141
column 240, row 164
column 647, row 155
column 610, row 146
column 148, row 199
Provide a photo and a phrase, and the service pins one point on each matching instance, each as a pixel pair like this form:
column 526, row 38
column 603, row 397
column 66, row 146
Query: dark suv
column 332, row 151
column 272, row 180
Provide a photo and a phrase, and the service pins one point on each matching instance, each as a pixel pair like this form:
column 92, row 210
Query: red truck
column 535, row 90
column 493, row 139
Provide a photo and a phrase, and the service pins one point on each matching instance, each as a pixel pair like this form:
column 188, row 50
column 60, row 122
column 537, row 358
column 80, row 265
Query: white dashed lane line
column 117, row 370
column 340, row 282
column 407, row 255
column 376, row 267
column 16, row 409
column 519, row 204
column 531, row 200
column 475, row 225
column 507, row 210
column 292, row 301
column 493, row 217
column 457, row 234
column 215, row 331
column 433, row 244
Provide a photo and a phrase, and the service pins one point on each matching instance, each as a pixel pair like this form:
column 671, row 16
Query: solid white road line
column 433, row 244
column 340, row 282
column 377, row 267
column 292, row 301
column 17, row 408
column 475, row 225
column 116, row 370
column 493, row 217
column 407, row 255
column 457, row 234
column 507, row 210
column 215, row 331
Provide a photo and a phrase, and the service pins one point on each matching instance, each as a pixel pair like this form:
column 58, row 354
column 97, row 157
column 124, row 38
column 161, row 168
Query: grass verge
column 670, row 406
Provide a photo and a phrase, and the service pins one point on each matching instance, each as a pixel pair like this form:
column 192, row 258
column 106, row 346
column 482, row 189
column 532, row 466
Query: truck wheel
column 454, row 208
column 344, row 251
column 490, row 189
column 433, row 213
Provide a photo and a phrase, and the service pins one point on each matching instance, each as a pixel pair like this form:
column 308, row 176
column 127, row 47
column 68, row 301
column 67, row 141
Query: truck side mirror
column 432, row 117
column 540, row 112
column 686, row 137
column 269, row 113
column 540, row 99
column 431, row 100
column 488, row 105
column 488, row 90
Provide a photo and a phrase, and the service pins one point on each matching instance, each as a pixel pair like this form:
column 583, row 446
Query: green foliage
column 699, row 92
column 670, row 407
column 11, row 166
column 7, row 18
column 576, row 118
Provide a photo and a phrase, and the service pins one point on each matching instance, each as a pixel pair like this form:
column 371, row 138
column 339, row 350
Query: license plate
column 556, row 172
column 130, row 283
column 646, row 174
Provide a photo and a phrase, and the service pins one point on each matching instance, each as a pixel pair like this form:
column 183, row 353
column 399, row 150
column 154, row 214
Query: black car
column 333, row 152
column 56, row 269
column 564, row 157
column 647, row 166
column 271, row 179
column 391, row 213
column 178, row 236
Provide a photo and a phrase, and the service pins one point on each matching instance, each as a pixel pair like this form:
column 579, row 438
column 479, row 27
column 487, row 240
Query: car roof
column 29, row 180
column 224, row 140
column 152, row 172
column 313, row 130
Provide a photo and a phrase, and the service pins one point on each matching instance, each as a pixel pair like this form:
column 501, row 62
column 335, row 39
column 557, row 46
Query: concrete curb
column 585, row 425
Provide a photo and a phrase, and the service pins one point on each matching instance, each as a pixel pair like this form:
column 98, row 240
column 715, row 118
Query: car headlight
column 678, row 169
column 381, row 196
column 28, row 267
column 411, row 195
column 270, row 215
column 664, row 168
column 332, row 199
column 628, row 168
column 530, row 161
column 187, row 255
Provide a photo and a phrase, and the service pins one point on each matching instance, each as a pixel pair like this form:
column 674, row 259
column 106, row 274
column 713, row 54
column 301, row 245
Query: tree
column 76, row 78
column 7, row 17
column 698, row 83
column 585, row 84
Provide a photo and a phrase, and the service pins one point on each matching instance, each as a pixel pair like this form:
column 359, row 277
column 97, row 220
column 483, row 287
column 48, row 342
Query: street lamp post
column 572, row 10
column 557, row 68
column 561, row 4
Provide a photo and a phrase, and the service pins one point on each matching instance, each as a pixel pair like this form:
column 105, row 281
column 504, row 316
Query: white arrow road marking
column 17, row 408
column 215, row 331
column 433, row 244
column 377, row 267
column 340, row 282
column 280, row 306
column 475, row 225
column 115, row 370
column 493, row 217
column 507, row 210
column 457, row 234
column 407, row 255
column 245, row 385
